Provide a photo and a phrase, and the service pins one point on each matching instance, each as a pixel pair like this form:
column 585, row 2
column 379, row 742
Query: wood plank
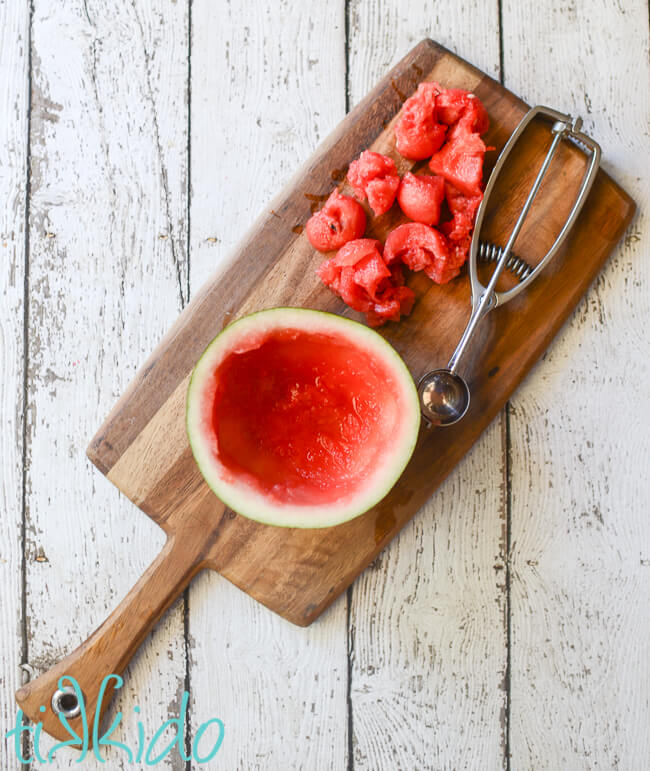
column 14, row 103
column 280, row 74
column 580, row 455
column 108, row 237
column 428, row 624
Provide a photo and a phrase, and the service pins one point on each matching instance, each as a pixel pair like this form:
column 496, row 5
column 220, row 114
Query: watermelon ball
column 421, row 247
column 455, row 105
column 374, row 176
column 359, row 275
column 460, row 160
column 463, row 210
column 341, row 219
column 418, row 131
column 420, row 197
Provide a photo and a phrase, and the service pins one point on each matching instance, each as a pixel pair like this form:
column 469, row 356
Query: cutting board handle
column 110, row 648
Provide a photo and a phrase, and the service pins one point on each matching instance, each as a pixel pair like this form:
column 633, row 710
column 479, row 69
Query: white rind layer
column 249, row 502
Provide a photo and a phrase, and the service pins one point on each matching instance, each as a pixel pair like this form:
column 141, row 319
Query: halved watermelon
column 300, row 418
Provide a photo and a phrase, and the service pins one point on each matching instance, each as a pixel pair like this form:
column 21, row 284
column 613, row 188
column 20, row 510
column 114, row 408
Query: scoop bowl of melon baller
column 444, row 393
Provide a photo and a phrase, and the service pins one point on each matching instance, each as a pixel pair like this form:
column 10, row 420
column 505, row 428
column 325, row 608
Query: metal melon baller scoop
column 444, row 394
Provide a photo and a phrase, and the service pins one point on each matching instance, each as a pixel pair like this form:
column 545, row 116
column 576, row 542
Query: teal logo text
column 207, row 740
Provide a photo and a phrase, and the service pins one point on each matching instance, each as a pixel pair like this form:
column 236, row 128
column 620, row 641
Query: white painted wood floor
column 508, row 626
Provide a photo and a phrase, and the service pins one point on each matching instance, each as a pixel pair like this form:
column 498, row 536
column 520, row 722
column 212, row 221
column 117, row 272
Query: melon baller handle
column 444, row 394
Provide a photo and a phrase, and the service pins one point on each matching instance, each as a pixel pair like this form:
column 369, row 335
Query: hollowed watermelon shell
column 300, row 418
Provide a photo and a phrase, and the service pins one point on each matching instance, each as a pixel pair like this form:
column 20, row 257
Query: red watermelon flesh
column 418, row 132
column 359, row 275
column 420, row 197
column 421, row 247
column 461, row 226
column 460, row 160
column 445, row 126
column 374, row 176
column 455, row 105
column 341, row 219
column 298, row 418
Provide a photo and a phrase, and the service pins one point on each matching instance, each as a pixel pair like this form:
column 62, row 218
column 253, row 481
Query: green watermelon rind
column 252, row 504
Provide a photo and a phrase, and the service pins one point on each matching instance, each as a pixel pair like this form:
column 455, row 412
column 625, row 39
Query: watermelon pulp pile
column 438, row 124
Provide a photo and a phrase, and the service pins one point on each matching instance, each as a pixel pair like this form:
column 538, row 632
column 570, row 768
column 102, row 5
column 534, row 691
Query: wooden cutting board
column 142, row 446
column 143, row 449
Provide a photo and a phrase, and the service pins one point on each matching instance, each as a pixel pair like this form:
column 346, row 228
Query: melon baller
column 444, row 393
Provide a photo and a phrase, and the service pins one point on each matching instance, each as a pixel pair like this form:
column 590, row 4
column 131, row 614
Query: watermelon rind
column 251, row 503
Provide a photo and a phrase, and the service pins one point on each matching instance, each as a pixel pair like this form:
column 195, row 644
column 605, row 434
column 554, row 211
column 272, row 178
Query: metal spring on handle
column 488, row 252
